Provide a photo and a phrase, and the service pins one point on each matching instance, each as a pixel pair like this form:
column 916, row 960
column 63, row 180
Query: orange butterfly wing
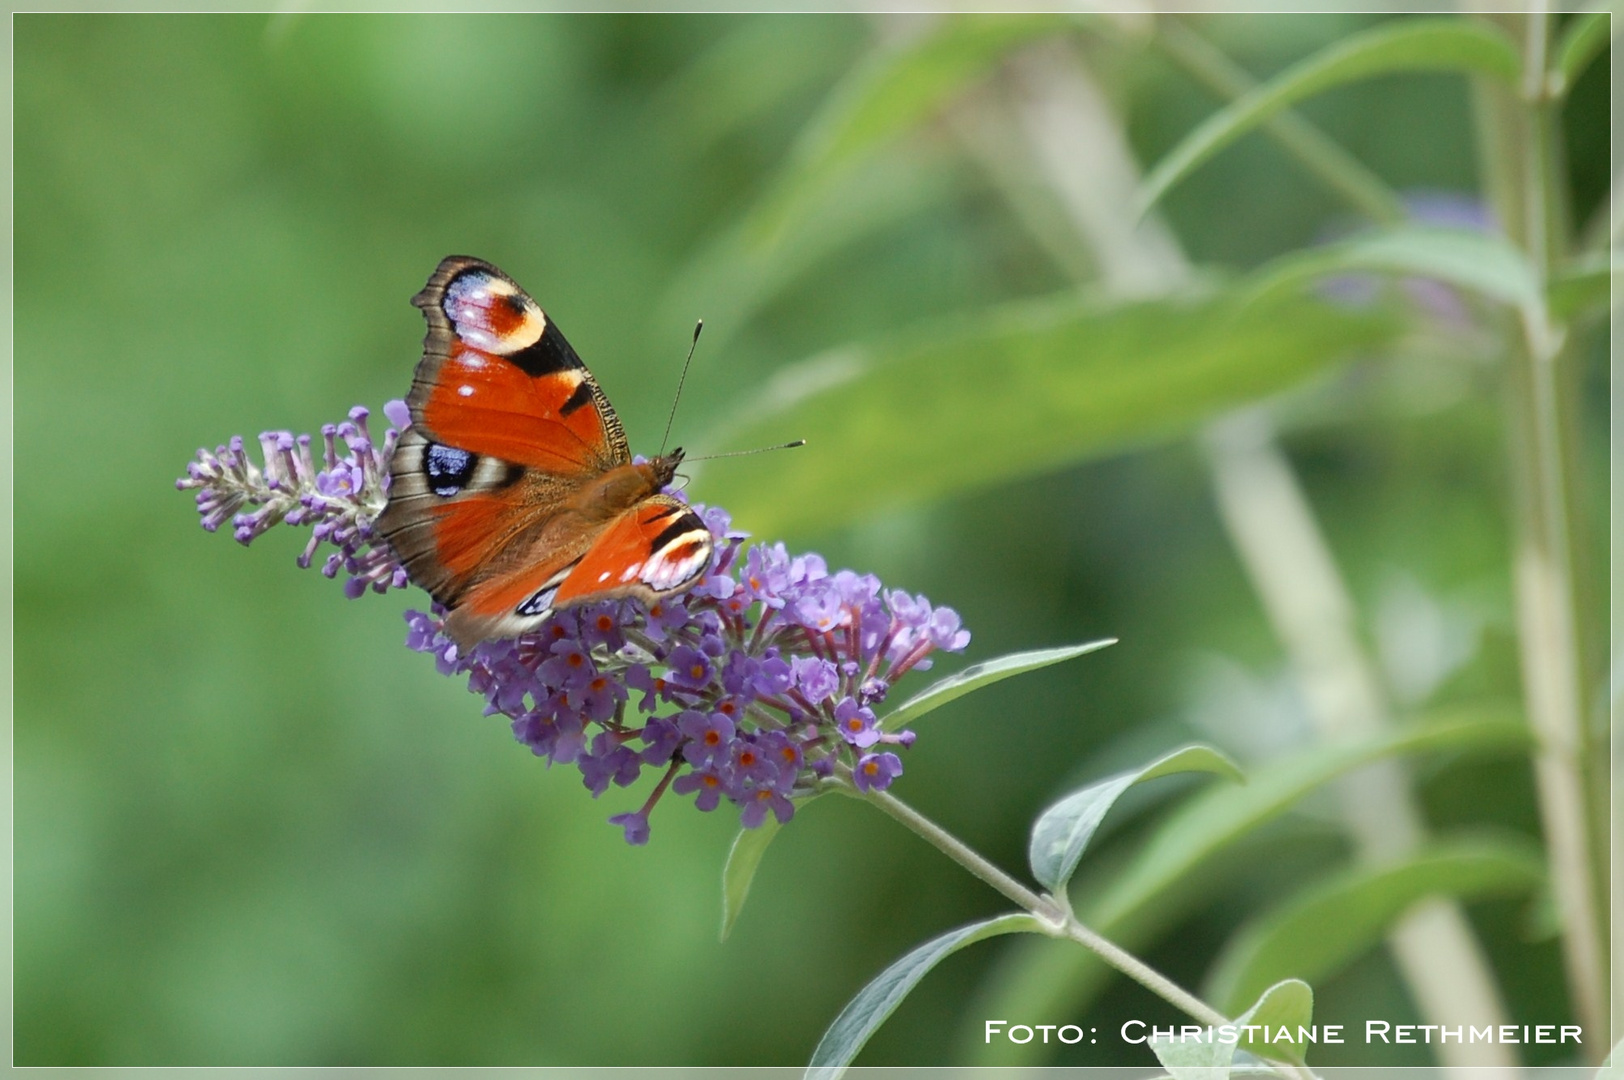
column 515, row 467
column 656, row 547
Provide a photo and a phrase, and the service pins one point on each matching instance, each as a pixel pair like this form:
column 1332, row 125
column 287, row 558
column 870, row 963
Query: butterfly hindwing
column 658, row 547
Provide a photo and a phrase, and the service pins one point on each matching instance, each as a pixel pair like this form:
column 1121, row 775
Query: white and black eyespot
column 448, row 469
column 491, row 314
column 539, row 603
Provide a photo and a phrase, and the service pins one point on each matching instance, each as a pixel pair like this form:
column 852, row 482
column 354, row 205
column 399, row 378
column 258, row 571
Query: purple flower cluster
column 753, row 687
column 756, row 686
column 338, row 501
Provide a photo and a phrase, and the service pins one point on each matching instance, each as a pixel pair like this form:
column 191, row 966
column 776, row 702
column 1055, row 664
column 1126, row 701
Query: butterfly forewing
column 497, row 376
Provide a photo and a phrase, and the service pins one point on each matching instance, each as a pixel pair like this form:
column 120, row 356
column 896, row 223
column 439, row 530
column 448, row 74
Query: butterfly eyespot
column 449, row 470
column 540, row 603
column 491, row 315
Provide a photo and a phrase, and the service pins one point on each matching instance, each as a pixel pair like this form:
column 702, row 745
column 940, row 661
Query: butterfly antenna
column 698, row 326
column 757, row 450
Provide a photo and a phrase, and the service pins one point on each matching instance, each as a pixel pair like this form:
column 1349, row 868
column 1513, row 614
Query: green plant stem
column 1521, row 163
column 1049, row 910
column 1053, row 912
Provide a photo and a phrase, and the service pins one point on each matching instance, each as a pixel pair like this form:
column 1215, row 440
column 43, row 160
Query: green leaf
column 1331, row 923
column 976, row 676
column 1063, row 831
column 880, row 998
column 1582, row 288
column 1218, row 818
column 1482, row 262
column 1582, row 41
column 1153, row 890
column 1286, row 1005
column 742, row 859
column 1453, row 44
column 895, row 91
column 1017, row 390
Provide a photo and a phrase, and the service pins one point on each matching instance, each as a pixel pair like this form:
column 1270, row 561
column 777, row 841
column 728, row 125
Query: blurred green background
column 251, row 828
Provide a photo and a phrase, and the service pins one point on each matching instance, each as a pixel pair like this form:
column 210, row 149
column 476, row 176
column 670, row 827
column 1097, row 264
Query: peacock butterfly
column 513, row 492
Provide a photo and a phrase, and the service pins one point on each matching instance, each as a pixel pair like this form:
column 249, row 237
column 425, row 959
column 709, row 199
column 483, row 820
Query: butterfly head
column 664, row 467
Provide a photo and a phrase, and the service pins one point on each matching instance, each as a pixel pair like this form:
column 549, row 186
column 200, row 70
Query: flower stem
column 1049, row 910
column 1052, row 912
column 1045, row 908
column 1558, row 643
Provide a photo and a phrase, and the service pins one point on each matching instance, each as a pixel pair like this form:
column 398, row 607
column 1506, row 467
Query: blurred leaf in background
column 251, row 829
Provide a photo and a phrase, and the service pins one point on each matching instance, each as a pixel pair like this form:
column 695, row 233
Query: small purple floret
column 874, row 772
column 337, row 497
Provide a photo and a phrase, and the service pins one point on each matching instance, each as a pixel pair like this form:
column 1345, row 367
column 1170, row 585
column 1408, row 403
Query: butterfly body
column 514, row 493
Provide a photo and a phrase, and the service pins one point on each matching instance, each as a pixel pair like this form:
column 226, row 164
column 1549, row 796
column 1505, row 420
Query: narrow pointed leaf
column 1031, row 386
column 895, row 91
column 1334, row 922
column 1404, row 45
column 742, row 860
column 880, row 998
column 1480, row 261
column 1063, row 831
column 976, row 676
